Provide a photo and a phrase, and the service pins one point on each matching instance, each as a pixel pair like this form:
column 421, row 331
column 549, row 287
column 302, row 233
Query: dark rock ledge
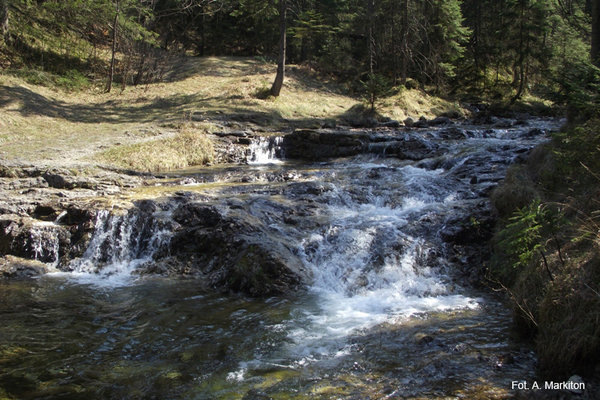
column 48, row 219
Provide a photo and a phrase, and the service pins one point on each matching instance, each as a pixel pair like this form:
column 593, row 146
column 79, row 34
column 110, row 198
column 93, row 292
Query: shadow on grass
column 186, row 67
column 108, row 112
column 163, row 109
column 51, row 61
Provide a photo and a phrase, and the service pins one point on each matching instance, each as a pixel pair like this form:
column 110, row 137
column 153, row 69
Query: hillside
column 47, row 125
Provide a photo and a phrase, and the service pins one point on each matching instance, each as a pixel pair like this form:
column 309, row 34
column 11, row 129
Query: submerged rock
column 407, row 149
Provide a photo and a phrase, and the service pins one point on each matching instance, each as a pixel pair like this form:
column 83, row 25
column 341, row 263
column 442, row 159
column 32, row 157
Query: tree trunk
column 371, row 16
column 4, row 20
column 278, row 83
column 404, row 35
column 140, row 70
column 595, row 54
column 202, row 47
column 520, row 76
column 111, row 71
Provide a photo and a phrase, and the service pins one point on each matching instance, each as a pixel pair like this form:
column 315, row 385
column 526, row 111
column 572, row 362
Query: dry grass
column 191, row 146
column 414, row 103
column 41, row 125
column 557, row 293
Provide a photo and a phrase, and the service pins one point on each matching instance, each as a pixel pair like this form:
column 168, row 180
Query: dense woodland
column 546, row 253
column 501, row 49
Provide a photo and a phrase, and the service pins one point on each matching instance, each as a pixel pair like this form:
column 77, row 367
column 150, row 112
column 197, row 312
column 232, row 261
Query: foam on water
column 357, row 295
column 119, row 245
column 368, row 270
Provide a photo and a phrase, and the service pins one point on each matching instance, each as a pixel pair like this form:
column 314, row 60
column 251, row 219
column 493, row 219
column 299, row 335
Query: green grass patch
column 70, row 81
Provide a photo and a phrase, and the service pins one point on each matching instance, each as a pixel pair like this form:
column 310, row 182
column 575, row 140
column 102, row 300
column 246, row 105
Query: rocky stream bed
column 332, row 262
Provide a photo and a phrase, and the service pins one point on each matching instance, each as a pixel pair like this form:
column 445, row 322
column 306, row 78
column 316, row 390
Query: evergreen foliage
column 496, row 48
column 375, row 87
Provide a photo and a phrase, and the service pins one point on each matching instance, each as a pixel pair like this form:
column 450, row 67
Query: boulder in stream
column 314, row 145
column 234, row 253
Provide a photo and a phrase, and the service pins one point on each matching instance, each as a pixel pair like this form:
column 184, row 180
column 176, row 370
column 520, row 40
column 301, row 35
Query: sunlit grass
column 414, row 103
column 41, row 123
column 191, row 146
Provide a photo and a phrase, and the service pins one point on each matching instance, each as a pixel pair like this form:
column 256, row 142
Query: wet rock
column 390, row 124
column 228, row 150
column 424, row 339
column 321, row 145
column 503, row 123
column 310, row 144
column 408, row 149
column 452, row 114
column 9, row 224
column 193, row 214
column 462, row 348
column 78, row 215
column 24, row 237
column 330, row 124
column 453, row 134
column 578, row 384
column 421, row 123
column 473, row 229
column 533, row 133
column 440, row 121
column 255, row 394
column 484, row 118
column 409, row 122
column 46, row 212
column 505, row 359
column 233, row 253
column 18, row 268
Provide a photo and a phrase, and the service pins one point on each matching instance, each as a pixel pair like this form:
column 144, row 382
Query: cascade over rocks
column 47, row 223
column 47, row 215
column 249, row 235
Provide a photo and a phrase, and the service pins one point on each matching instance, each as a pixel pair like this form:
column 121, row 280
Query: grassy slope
column 42, row 125
column 557, row 300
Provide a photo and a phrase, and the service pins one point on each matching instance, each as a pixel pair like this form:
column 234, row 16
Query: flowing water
column 386, row 314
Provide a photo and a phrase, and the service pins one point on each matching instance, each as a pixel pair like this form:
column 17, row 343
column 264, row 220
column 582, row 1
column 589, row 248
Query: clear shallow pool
column 162, row 338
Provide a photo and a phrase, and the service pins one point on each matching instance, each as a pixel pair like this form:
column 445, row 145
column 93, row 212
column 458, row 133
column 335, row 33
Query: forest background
column 494, row 56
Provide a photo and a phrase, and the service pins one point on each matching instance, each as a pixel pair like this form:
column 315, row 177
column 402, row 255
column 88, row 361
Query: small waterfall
column 266, row 150
column 44, row 244
column 121, row 243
